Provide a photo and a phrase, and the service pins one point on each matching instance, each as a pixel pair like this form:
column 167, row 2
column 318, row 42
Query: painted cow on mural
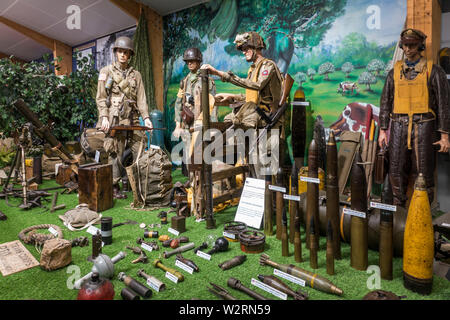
column 353, row 118
column 348, row 87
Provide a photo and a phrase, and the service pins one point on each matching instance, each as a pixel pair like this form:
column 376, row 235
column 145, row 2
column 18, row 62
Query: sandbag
column 150, row 178
column 56, row 254
column 80, row 218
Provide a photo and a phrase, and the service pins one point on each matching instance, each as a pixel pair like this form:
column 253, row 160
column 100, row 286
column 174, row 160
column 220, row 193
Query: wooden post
column 155, row 31
column 426, row 15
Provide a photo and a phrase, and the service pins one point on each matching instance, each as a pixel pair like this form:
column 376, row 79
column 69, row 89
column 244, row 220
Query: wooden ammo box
column 95, row 186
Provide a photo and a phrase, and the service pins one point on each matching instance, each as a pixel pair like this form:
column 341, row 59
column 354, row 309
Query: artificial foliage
column 65, row 103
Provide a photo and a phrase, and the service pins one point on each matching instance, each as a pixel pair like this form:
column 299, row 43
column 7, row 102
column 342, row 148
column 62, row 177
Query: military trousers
column 406, row 163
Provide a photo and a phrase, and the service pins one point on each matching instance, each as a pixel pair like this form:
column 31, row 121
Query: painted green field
column 325, row 99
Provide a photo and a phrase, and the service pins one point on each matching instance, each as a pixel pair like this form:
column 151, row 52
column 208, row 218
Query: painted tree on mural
column 285, row 25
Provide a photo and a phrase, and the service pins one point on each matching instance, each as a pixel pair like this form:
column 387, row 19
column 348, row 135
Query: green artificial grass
column 37, row 284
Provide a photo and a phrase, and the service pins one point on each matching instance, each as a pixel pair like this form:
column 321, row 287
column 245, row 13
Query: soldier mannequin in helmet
column 188, row 97
column 121, row 100
column 415, row 101
column 263, row 89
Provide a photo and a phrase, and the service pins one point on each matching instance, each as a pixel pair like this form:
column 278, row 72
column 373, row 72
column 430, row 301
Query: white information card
column 251, row 206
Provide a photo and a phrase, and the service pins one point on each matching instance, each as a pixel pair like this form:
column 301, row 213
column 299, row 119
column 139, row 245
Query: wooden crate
column 95, row 186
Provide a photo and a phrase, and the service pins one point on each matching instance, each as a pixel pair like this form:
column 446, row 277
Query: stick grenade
column 293, row 205
column 312, row 194
column 313, row 245
column 279, row 204
column 358, row 226
column 281, row 286
column 181, row 249
column 284, row 236
column 386, row 248
column 268, row 208
column 210, row 221
column 330, row 249
column 158, row 264
column 332, row 193
column 161, row 286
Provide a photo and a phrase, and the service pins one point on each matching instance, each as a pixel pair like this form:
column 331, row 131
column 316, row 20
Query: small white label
column 276, row 188
column 445, row 225
column 153, row 285
column 97, row 156
column 308, row 179
column 181, row 265
column 383, row 206
column 354, row 213
column 103, row 244
column 289, row 277
column 92, row 230
column 173, row 231
column 269, row 289
column 171, row 277
column 203, row 255
column 53, row 231
column 291, row 197
column 155, row 147
column 300, row 103
column 229, row 235
column 146, row 247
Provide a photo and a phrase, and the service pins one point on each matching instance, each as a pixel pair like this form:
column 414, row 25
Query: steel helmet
column 192, row 54
column 249, row 39
column 124, row 43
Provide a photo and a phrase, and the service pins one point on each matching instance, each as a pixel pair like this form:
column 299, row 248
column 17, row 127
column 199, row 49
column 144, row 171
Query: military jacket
column 438, row 90
column 268, row 82
column 191, row 86
column 125, row 100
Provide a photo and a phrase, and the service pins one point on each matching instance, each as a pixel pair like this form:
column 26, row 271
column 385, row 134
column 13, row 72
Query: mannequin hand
column 224, row 97
column 105, row 124
column 211, row 69
column 382, row 137
column 177, row 132
column 148, row 123
column 443, row 143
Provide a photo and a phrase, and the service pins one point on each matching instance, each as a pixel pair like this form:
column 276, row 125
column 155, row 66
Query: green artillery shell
column 312, row 193
column 330, row 249
column 386, row 234
column 279, row 204
column 293, row 205
column 280, row 286
column 333, row 193
column 359, row 230
column 268, row 208
column 313, row 245
column 284, row 236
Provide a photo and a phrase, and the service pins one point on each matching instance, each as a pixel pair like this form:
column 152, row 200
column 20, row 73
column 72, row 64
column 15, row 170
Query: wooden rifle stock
column 114, row 129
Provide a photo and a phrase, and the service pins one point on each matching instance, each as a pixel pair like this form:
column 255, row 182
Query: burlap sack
column 79, row 218
column 150, row 179
column 49, row 163
column 56, row 254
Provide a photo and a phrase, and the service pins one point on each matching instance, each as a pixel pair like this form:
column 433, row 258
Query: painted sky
column 392, row 19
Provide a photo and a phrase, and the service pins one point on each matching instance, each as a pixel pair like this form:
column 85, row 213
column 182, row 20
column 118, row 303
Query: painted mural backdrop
column 338, row 51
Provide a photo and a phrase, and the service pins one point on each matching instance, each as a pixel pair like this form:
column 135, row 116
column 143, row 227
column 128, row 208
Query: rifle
column 273, row 120
column 114, row 129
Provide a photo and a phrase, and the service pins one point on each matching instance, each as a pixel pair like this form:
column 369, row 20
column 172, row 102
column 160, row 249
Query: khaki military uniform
column 263, row 88
column 127, row 102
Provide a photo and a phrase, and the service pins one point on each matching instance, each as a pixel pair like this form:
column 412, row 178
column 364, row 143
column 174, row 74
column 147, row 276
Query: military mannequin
column 415, row 102
column 263, row 89
column 187, row 105
column 121, row 100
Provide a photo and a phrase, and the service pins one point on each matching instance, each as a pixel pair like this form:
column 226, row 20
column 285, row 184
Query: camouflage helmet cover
column 124, row 43
column 192, row 54
column 250, row 39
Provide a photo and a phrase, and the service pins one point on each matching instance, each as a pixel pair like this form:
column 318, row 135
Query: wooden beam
column 155, row 31
column 59, row 49
column 426, row 16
